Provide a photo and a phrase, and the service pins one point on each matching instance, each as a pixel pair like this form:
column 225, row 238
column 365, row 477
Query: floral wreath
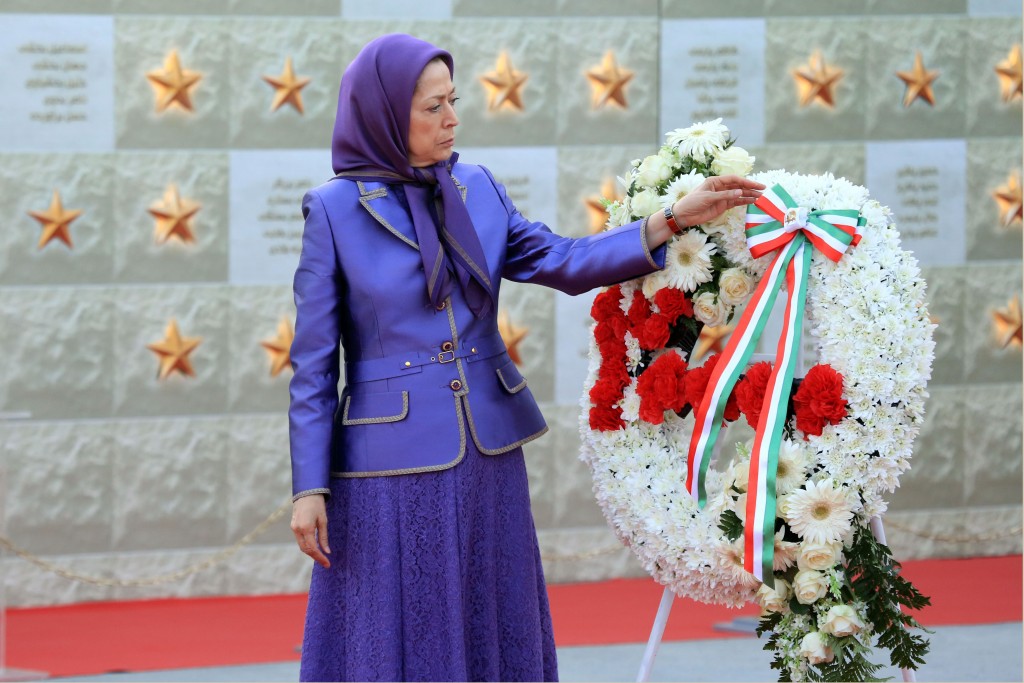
column 828, row 589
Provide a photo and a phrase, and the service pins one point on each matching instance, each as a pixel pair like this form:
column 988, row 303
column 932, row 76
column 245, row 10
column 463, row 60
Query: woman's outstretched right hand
column 309, row 524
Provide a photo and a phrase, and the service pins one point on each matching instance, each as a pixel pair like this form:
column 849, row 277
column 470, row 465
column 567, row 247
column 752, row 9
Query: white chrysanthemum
column 699, row 140
column 820, row 513
column 688, row 261
column 792, row 467
column 681, row 186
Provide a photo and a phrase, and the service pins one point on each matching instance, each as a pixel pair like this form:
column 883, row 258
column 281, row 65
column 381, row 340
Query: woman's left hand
column 714, row 196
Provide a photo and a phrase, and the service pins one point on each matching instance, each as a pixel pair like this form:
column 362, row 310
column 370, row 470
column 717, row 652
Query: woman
column 416, row 473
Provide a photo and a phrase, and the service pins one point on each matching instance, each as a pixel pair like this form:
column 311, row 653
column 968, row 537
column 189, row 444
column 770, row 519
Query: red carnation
column 615, row 373
column 819, row 400
column 673, row 303
column 697, row 383
column 661, row 387
column 606, row 304
column 605, row 393
column 654, row 333
column 750, row 390
column 639, row 309
column 606, row 419
column 619, row 325
column 604, row 332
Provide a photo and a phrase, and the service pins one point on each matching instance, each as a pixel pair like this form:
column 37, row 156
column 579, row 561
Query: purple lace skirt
column 434, row 576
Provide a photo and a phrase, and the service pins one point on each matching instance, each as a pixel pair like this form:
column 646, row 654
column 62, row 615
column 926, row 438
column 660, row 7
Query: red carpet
column 164, row 634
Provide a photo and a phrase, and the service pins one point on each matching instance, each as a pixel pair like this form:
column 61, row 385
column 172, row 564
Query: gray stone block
column 59, row 496
column 84, row 183
column 60, row 352
column 260, row 47
column 532, row 48
column 142, row 182
column 170, row 484
column 893, row 43
column 581, row 50
column 990, row 166
column 142, row 319
column 202, row 46
column 841, row 44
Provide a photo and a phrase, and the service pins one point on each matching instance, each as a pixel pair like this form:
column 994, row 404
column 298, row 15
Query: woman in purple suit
column 410, row 490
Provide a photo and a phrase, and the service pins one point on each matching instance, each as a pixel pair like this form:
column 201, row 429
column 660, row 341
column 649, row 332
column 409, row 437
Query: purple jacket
column 419, row 381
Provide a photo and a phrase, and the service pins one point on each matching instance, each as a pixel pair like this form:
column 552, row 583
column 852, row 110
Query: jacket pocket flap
column 510, row 378
column 363, row 409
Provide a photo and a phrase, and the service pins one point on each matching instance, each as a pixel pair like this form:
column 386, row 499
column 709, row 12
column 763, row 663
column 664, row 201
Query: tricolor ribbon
column 774, row 223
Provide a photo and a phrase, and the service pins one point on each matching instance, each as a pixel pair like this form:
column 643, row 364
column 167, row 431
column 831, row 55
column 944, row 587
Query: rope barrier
column 159, row 579
column 225, row 554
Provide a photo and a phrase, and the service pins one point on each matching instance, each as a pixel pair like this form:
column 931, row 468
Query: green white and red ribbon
column 774, row 223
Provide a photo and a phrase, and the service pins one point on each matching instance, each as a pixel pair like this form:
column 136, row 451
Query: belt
column 412, row 362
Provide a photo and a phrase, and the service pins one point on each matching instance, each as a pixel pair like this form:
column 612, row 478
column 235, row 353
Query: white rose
column 809, row 585
column 842, row 620
column 710, row 311
column 740, row 475
column 774, row 599
column 818, row 556
column 733, row 161
column 645, row 203
column 734, row 286
column 814, row 649
column 653, row 171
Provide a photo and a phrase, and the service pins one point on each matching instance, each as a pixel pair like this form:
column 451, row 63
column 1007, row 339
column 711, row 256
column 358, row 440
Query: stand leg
column 656, row 632
column 879, row 533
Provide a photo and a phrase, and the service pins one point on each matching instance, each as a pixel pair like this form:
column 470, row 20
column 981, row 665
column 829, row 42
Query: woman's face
column 432, row 120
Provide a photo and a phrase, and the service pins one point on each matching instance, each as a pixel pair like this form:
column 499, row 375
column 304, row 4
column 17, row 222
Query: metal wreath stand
column 668, row 597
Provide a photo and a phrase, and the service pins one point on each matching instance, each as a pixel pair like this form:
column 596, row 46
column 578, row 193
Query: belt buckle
column 442, row 358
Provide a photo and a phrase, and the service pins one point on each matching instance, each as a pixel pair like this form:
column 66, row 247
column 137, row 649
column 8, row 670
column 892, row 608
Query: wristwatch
column 670, row 218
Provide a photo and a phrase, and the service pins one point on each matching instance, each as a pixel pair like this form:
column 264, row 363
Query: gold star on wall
column 710, row 339
column 608, row 82
column 279, row 347
column 56, row 221
column 595, row 207
column 1009, row 72
column 174, row 216
column 172, row 84
column 919, row 82
column 815, row 81
column 173, row 351
column 1006, row 323
column 287, row 88
column 512, row 335
column 1008, row 197
column 504, row 85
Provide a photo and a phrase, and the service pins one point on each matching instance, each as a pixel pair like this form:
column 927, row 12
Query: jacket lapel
column 387, row 211
column 390, row 213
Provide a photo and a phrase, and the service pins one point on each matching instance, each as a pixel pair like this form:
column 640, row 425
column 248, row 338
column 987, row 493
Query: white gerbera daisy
column 792, row 467
column 730, row 558
column 785, row 552
column 699, row 140
column 820, row 513
column 688, row 262
column 681, row 186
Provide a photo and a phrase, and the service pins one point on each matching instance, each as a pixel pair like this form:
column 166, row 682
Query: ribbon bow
column 774, row 223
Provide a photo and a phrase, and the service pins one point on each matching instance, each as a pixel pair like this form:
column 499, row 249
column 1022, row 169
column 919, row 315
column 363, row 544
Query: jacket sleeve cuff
column 656, row 258
column 312, row 492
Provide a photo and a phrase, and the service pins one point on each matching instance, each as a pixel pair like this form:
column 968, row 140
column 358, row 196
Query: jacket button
column 455, row 385
column 447, row 346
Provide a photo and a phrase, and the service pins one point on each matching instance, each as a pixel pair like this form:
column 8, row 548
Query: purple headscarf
column 371, row 136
